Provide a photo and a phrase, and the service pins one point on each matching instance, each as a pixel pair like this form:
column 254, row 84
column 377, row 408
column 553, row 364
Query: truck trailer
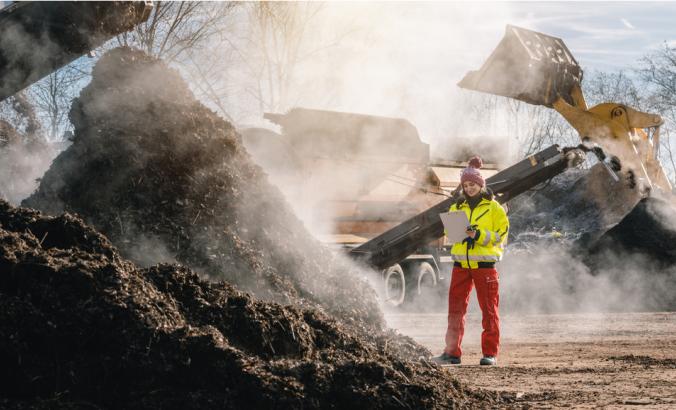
column 367, row 185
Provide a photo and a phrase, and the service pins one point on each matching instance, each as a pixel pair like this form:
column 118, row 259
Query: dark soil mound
column 582, row 203
column 649, row 229
column 603, row 230
column 610, row 249
column 559, row 203
column 81, row 327
column 598, row 217
column 167, row 180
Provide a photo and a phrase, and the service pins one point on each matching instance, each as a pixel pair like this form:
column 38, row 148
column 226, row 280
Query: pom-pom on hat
column 476, row 162
column 471, row 173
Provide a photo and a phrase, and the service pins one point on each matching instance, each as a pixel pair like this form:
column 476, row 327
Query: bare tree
column 600, row 87
column 280, row 42
column 172, row 32
column 254, row 65
column 53, row 94
column 668, row 155
column 658, row 71
column 207, row 70
column 537, row 127
column 658, row 76
column 533, row 127
column 18, row 120
column 194, row 37
column 175, row 28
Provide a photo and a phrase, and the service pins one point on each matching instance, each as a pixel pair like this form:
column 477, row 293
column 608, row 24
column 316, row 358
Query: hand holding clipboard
column 455, row 224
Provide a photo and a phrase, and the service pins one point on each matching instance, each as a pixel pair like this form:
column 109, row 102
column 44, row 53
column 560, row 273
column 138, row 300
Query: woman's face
column 471, row 189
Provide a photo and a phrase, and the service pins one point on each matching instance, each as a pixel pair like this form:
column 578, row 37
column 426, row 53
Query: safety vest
column 492, row 228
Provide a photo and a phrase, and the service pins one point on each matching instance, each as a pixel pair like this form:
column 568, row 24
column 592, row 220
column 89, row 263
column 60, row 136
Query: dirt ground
column 615, row 360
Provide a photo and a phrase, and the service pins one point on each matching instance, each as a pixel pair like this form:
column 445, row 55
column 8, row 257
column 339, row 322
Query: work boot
column 445, row 358
column 488, row 361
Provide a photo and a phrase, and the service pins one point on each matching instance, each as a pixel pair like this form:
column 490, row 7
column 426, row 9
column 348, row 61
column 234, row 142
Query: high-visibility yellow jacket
column 492, row 228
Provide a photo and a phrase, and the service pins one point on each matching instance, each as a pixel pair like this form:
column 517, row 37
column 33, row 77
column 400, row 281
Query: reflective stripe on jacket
column 493, row 227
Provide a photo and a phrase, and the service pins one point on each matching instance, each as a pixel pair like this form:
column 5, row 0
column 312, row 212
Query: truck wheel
column 425, row 280
column 395, row 285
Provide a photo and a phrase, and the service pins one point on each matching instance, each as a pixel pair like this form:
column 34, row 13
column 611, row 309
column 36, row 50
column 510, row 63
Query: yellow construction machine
column 539, row 69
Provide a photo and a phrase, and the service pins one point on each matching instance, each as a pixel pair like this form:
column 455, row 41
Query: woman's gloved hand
column 473, row 234
column 470, row 242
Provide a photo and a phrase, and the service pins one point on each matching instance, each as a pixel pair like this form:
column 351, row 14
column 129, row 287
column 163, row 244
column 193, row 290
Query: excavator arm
column 539, row 69
column 396, row 244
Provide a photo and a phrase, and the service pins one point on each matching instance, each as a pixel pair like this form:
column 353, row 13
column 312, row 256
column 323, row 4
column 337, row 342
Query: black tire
column 395, row 285
column 615, row 163
column 631, row 179
column 424, row 280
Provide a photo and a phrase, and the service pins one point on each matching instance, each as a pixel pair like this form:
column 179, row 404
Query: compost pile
column 595, row 214
column 168, row 180
column 649, row 229
column 580, row 204
column 592, row 244
column 80, row 326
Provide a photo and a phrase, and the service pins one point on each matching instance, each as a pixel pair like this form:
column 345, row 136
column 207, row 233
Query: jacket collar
column 483, row 201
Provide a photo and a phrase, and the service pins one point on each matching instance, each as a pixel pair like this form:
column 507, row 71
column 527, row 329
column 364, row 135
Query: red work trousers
column 486, row 282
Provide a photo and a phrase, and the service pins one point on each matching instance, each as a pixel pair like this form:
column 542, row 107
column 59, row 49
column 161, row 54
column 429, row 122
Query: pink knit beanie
column 471, row 173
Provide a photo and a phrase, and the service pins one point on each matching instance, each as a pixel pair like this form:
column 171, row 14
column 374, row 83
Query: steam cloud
column 364, row 73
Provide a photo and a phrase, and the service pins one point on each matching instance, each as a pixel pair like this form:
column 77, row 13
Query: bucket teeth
column 528, row 66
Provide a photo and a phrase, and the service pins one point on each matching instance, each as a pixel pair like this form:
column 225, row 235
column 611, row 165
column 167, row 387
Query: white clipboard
column 455, row 224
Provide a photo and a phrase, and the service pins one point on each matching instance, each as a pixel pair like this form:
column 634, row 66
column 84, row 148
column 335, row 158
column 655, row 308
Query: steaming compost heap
column 649, row 229
column 586, row 222
column 582, row 204
column 592, row 212
column 168, row 180
column 83, row 327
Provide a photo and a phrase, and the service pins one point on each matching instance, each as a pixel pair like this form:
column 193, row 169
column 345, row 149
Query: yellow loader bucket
column 529, row 66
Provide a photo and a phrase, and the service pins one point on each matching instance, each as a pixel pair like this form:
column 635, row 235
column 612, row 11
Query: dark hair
column 486, row 193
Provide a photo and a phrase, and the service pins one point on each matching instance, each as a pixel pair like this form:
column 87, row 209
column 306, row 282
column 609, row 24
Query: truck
column 368, row 186
column 539, row 69
column 390, row 231
column 353, row 176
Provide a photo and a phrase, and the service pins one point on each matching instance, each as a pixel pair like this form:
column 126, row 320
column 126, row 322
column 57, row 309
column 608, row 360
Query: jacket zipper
column 471, row 211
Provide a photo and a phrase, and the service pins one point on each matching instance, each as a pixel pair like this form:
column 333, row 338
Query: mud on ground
column 582, row 360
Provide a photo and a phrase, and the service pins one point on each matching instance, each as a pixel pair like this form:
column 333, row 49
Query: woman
column 474, row 264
